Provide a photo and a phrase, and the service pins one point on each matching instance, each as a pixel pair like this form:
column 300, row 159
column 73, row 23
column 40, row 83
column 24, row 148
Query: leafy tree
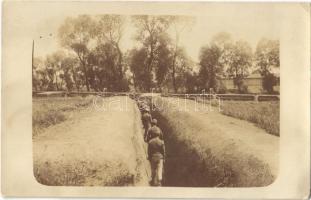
column 163, row 61
column 269, row 80
column 76, row 34
column 105, row 62
column 70, row 77
column 163, row 55
column 224, row 42
column 137, row 66
column 216, row 60
column 191, row 82
column 179, row 24
column 149, row 31
column 240, row 61
column 183, row 66
column 39, row 79
column 109, row 30
column 210, row 67
column 54, row 70
column 267, row 59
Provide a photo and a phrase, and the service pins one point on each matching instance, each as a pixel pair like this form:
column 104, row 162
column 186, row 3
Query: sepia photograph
column 123, row 100
column 137, row 99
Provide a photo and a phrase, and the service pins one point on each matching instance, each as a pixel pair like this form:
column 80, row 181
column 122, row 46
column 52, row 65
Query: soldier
column 152, row 130
column 146, row 119
column 156, row 156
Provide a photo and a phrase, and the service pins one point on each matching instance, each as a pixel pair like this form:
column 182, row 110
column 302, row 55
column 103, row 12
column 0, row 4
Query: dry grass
column 265, row 115
column 91, row 150
column 47, row 111
column 199, row 155
column 79, row 173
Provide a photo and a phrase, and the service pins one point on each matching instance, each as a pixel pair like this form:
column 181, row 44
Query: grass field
column 47, row 111
column 209, row 149
column 89, row 149
column 265, row 115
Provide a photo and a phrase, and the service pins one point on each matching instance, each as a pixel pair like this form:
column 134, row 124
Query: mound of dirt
column 206, row 148
column 99, row 147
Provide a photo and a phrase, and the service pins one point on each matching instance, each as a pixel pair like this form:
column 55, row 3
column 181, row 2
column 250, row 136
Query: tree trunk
column 120, row 67
column 173, row 76
column 149, row 66
column 56, row 82
column 174, row 63
column 120, row 57
column 85, row 73
column 85, row 70
column 86, row 77
column 75, row 78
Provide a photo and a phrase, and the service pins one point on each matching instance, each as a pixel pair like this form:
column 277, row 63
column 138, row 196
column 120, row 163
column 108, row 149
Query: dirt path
column 235, row 143
column 255, row 140
column 105, row 147
column 258, row 140
column 96, row 147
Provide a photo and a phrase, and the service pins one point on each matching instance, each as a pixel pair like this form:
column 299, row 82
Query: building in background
column 253, row 83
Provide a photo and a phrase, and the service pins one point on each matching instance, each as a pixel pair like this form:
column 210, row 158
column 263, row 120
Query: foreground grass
column 49, row 111
column 201, row 155
column 265, row 115
column 90, row 150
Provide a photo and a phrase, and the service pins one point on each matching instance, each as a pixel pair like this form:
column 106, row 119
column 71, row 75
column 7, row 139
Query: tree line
column 91, row 58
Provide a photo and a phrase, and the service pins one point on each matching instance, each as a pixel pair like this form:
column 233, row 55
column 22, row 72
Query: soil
column 116, row 136
column 99, row 138
column 220, row 132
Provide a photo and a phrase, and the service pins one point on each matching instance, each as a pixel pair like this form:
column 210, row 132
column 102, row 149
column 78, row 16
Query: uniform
column 152, row 131
column 146, row 118
column 156, row 153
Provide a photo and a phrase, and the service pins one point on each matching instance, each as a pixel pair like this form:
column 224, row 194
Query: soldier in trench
column 154, row 128
column 146, row 119
column 156, row 156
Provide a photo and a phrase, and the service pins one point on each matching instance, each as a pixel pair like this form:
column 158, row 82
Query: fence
column 234, row 97
column 72, row 94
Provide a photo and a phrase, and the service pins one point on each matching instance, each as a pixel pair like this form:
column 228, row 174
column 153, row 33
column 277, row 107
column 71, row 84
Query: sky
column 249, row 22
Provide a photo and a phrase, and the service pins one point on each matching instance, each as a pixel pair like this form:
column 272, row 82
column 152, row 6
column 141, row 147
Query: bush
column 244, row 89
column 221, row 88
column 269, row 80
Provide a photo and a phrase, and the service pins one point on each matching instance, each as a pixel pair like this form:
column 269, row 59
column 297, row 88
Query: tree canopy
column 93, row 58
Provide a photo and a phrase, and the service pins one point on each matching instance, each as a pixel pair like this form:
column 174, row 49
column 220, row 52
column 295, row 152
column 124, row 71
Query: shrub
column 221, row 88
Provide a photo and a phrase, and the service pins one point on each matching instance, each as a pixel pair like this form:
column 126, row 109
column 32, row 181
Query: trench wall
column 201, row 157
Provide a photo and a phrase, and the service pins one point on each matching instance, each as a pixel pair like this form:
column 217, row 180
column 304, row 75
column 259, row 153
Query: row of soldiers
column 153, row 136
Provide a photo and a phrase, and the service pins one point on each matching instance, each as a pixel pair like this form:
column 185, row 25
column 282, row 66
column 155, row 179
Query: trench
column 183, row 166
column 143, row 167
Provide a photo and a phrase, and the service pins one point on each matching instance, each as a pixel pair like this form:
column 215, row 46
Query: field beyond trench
column 91, row 145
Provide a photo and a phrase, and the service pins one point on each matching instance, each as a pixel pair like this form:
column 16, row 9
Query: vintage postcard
column 156, row 99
